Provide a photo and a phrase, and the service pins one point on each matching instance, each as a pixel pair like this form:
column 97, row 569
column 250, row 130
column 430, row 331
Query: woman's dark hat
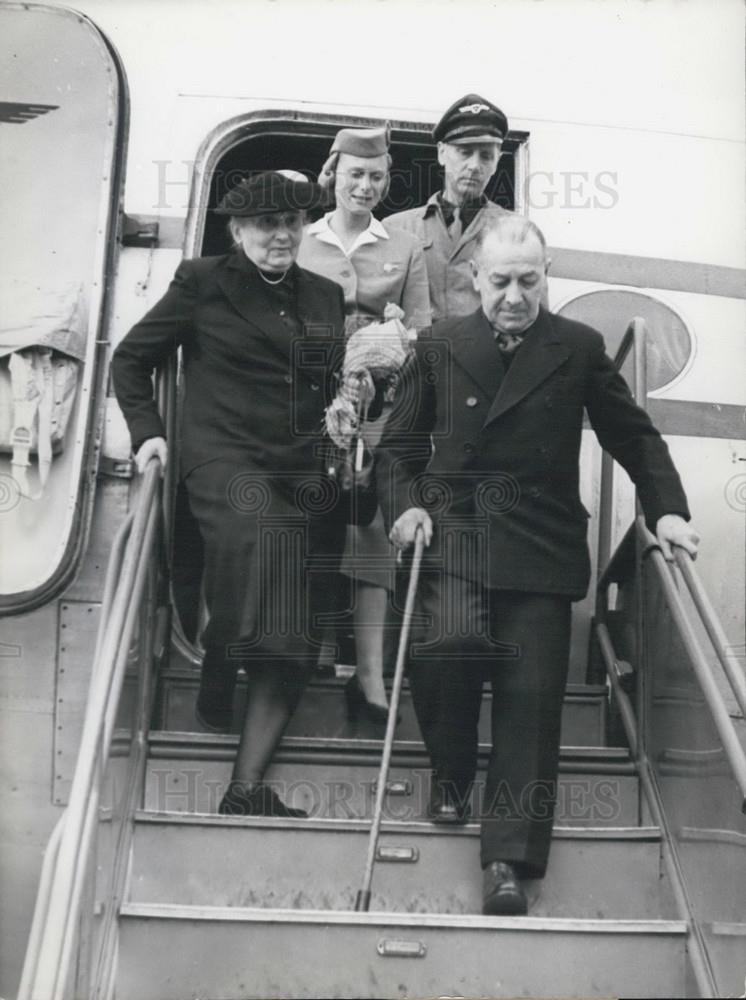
column 471, row 119
column 271, row 191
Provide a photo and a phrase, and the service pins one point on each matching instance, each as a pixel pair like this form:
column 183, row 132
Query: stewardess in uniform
column 383, row 276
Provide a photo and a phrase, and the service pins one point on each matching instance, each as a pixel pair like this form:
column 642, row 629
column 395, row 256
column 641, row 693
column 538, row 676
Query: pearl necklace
column 269, row 280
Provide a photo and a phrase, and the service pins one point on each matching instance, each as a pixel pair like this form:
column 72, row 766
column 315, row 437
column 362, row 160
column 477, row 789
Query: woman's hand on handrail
column 672, row 529
column 154, row 447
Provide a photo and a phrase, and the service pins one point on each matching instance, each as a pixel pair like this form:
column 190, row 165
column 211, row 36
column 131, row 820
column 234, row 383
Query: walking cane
column 362, row 900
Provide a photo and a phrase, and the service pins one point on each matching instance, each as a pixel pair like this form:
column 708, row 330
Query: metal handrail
column 737, row 759
column 634, row 339
column 47, row 961
column 51, row 851
column 613, row 568
column 713, row 697
column 713, row 627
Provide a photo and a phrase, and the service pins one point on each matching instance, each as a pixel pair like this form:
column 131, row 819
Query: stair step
column 322, row 711
column 726, row 946
column 422, row 868
column 173, row 952
column 189, row 772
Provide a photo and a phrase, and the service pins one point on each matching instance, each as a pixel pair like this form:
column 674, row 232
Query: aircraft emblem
column 473, row 109
column 15, row 113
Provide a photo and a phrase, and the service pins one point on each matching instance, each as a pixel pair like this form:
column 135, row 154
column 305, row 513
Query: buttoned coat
column 252, row 437
column 494, row 455
column 449, row 274
column 252, row 390
column 390, row 268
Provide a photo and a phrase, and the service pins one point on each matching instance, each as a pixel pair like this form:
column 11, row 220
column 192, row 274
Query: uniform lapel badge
column 389, row 266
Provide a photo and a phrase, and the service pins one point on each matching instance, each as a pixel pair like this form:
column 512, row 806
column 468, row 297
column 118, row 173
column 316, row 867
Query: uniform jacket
column 253, row 392
column 449, row 274
column 494, row 456
column 385, row 267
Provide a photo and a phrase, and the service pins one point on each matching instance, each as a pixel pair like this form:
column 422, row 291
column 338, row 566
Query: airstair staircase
column 148, row 894
column 235, row 907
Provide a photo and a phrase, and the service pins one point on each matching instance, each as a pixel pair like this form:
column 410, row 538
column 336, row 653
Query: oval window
column 609, row 311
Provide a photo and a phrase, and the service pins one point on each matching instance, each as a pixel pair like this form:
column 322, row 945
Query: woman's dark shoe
column 358, row 706
column 256, row 800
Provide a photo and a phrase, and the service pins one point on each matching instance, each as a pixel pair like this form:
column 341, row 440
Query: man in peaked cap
column 469, row 137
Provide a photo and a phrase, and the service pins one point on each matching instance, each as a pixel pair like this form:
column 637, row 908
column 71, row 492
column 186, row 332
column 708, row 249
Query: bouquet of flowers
column 373, row 358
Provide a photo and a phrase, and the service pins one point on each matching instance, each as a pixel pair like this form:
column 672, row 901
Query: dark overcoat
column 494, row 455
column 252, row 451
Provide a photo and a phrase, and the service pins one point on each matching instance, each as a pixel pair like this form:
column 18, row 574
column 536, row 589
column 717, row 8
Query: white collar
column 371, row 234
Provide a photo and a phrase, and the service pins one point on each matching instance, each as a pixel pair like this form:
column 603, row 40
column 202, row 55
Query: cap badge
column 473, row 109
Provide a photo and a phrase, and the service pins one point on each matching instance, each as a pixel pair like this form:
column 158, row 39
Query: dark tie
column 508, row 342
column 455, row 229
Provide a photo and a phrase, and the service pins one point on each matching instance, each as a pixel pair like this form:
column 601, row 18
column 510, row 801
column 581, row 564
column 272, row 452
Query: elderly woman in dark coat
column 262, row 340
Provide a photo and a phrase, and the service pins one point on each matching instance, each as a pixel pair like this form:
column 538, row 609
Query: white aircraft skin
column 633, row 168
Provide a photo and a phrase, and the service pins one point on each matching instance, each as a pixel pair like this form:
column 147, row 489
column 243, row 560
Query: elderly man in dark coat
column 261, row 341
column 481, row 451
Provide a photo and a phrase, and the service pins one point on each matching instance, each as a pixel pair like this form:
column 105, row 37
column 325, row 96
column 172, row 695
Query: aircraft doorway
column 287, row 140
column 304, row 146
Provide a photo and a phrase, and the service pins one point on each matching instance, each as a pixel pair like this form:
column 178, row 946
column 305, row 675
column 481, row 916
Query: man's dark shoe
column 449, row 801
column 256, row 800
column 502, row 892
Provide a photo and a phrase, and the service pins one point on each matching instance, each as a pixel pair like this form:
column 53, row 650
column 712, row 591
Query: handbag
column 353, row 473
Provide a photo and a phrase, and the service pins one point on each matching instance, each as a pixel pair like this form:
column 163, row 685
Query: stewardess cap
column 362, row 141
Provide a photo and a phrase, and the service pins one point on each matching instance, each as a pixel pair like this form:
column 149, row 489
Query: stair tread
column 322, row 709
column 305, row 864
column 179, row 952
column 421, row 827
column 344, row 671
column 186, row 911
column 187, row 736
column 161, row 740
column 331, row 784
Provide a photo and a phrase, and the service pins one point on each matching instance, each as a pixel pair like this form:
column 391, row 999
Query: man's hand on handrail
column 150, row 448
column 404, row 529
column 672, row 529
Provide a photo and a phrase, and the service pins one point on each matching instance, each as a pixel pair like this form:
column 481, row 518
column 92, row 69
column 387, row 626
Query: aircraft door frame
column 71, row 514
column 314, row 127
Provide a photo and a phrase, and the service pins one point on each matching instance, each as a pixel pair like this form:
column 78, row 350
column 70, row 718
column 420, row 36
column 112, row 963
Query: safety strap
column 31, row 379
